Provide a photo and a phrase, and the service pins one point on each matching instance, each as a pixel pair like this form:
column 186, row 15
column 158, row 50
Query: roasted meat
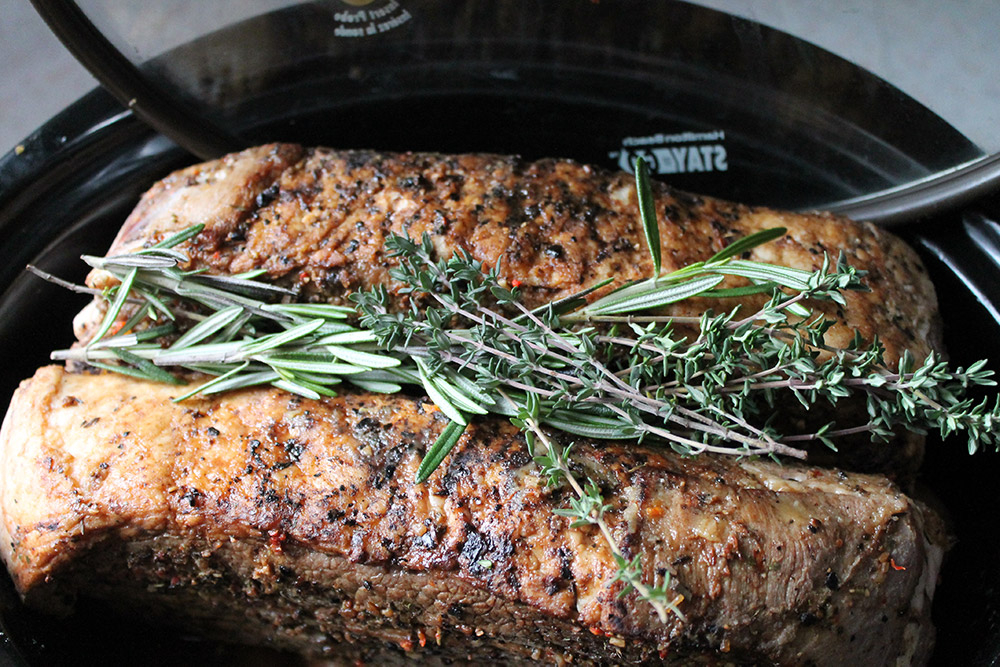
column 317, row 220
column 266, row 518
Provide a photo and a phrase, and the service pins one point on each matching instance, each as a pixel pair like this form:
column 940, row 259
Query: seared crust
column 304, row 501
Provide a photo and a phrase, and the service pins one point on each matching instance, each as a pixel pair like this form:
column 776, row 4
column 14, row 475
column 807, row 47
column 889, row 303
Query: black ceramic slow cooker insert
column 718, row 104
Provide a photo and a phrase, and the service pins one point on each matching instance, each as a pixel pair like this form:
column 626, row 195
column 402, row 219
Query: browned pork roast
column 266, row 518
column 317, row 220
column 262, row 517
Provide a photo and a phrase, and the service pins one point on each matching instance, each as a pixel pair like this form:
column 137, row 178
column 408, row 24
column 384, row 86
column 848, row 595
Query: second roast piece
column 265, row 518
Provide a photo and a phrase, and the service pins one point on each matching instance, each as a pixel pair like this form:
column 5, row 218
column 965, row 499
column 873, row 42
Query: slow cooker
column 721, row 100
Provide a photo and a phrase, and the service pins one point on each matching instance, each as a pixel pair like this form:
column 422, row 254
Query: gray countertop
column 38, row 76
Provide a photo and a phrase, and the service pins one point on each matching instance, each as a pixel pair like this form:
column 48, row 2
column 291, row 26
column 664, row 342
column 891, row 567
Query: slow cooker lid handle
column 164, row 112
column 938, row 193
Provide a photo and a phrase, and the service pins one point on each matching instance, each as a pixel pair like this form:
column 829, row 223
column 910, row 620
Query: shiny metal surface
column 942, row 192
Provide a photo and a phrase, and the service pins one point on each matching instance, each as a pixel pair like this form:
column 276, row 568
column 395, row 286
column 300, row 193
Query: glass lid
column 747, row 99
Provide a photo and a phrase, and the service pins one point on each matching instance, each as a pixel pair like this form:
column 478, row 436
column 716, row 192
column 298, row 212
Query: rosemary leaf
column 241, row 380
column 111, row 316
column 242, row 286
column 376, row 386
column 307, row 382
column 133, row 339
column 310, row 362
column 439, row 398
column 360, row 358
column 214, row 382
column 239, row 325
column 457, row 396
column 435, row 454
column 470, row 388
column 738, row 292
column 796, row 279
column 133, row 261
column 319, row 378
column 591, row 426
column 151, row 372
column 300, row 388
column 348, row 337
column 155, row 303
column 653, row 295
column 181, row 236
column 273, row 341
column 331, row 327
column 250, row 275
column 647, row 212
column 746, row 243
column 311, row 310
column 176, row 255
column 207, row 327
column 399, row 374
column 121, row 370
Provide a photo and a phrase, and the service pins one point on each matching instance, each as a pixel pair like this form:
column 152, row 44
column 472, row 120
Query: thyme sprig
column 589, row 508
column 616, row 367
column 711, row 393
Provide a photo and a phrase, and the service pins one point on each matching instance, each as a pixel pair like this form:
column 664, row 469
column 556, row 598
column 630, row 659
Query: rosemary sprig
column 610, row 368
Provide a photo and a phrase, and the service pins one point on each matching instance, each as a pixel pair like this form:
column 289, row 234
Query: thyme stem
column 594, row 515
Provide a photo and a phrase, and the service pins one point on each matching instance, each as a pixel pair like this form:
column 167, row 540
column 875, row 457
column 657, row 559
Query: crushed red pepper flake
column 276, row 538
